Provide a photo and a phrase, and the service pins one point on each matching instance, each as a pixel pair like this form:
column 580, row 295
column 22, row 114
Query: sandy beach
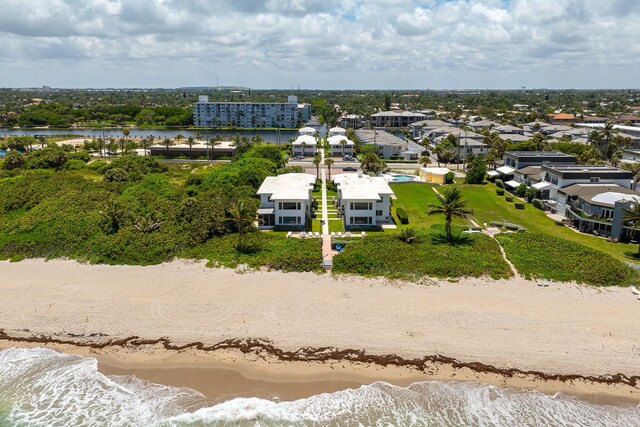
column 507, row 333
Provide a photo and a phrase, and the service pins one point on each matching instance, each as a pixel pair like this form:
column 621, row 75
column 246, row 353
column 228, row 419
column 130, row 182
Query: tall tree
column 190, row 142
column 451, row 205
column 242, row 216
column 126, row 132
column 328, row 163
column 317, row 159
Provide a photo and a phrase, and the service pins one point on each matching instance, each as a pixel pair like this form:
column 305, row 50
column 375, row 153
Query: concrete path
column 327, row 256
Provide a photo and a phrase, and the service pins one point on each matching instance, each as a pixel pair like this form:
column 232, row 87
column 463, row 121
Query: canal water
column 272, row 136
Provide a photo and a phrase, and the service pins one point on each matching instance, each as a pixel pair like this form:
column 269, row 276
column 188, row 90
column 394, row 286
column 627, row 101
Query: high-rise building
column 250, row 114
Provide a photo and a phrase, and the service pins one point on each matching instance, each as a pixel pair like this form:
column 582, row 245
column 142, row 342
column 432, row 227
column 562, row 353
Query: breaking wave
column 41, row 387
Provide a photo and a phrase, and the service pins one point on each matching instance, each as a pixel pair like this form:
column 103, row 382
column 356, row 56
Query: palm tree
column 242, row 216
column 179, row 137
column 407, row 235
column 190, row 142
column 633, row 216
column 425, row 161
column 343, row 142
column 317, row 159
column 328, row 163
column 451, row 205
column 167, row 143
column 126, row 132
column 114, row 215
column 122, row 143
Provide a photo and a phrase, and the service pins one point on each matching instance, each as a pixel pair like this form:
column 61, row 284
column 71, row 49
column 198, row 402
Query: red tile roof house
column 561, row 118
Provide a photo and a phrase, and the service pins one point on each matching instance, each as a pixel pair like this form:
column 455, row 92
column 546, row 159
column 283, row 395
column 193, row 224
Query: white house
column 305, row 145
column 308, row 130
column 340, row 145
column 337, row 131
column 363, row 200
column 285, row 200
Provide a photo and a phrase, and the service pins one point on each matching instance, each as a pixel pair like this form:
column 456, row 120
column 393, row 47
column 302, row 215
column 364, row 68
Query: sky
column 321, row 44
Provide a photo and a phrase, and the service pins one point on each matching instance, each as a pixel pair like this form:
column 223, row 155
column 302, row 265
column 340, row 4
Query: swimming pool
column 401, row 178
column 404, row 178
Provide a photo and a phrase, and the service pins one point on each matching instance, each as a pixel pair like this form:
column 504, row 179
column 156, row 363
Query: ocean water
column 41, row 387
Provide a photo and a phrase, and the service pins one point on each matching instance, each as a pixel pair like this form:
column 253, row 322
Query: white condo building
column 306, row 143
column 285, row 200
column 364, row 201
column 339, row 144
column 250, row 114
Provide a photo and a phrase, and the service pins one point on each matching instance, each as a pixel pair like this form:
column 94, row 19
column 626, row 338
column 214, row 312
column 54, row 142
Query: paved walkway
column 327, row 256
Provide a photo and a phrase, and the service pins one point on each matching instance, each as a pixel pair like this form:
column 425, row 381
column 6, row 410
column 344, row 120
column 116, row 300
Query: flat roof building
column 363, row 200
column 250, row 114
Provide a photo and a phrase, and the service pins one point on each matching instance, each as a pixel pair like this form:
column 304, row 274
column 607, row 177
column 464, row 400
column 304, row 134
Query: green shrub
column 194, row 179
column 509, row 198
column 541, row 255
column 519, row 205
column 537, row 203
column 513, row 227
column 16, row 258
column 499, row 183
column 521, row 191
column 97, row 165
column 500, row 191
column 402, row 216
column 496, row 224
column 449, row 177
column 116, row 175
column 13, row 160
column 74, row 164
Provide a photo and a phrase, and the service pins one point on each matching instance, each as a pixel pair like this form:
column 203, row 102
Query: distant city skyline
column 321, row 44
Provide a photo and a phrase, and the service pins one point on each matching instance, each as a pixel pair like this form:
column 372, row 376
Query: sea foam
column 41, row 387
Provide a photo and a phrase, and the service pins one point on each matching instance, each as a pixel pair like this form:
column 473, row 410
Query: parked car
column 350, row 169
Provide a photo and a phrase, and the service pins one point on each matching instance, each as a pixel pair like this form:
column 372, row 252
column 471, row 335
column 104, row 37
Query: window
column 289, row 220
column 361, row 206
column 289, row 206
column 607, row 213
column 594, row 179
column 378, row 213
column 360, row 220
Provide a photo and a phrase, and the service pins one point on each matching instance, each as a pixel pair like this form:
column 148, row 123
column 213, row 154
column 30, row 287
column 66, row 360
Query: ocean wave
column 41, row 387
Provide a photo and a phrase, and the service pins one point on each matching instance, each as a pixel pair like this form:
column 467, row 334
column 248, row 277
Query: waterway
column 272, row 136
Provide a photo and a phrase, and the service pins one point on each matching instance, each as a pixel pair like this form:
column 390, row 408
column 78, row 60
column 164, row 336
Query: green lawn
column 489, row 207
column 336, row 226
column 415, row 199
column 385, row 255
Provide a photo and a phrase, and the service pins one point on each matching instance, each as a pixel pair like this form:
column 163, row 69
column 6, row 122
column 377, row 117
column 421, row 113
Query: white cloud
column 269, row 43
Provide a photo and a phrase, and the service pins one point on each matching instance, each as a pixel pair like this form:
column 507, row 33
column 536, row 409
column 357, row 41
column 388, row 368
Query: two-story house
column 285, row 200
column 364, row 201
column 554, row 177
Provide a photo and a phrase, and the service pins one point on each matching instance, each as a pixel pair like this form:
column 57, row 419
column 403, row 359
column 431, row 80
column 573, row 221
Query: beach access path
column 563, row 328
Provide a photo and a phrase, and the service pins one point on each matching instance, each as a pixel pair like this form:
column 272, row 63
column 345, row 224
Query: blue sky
column 323, row 44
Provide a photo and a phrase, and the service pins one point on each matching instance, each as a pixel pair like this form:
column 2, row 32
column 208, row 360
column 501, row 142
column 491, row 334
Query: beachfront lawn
column 488, row 206
column 415, row 198
column 385, row 255
column 336, row 225
column 262, row 250
column 539, row 255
